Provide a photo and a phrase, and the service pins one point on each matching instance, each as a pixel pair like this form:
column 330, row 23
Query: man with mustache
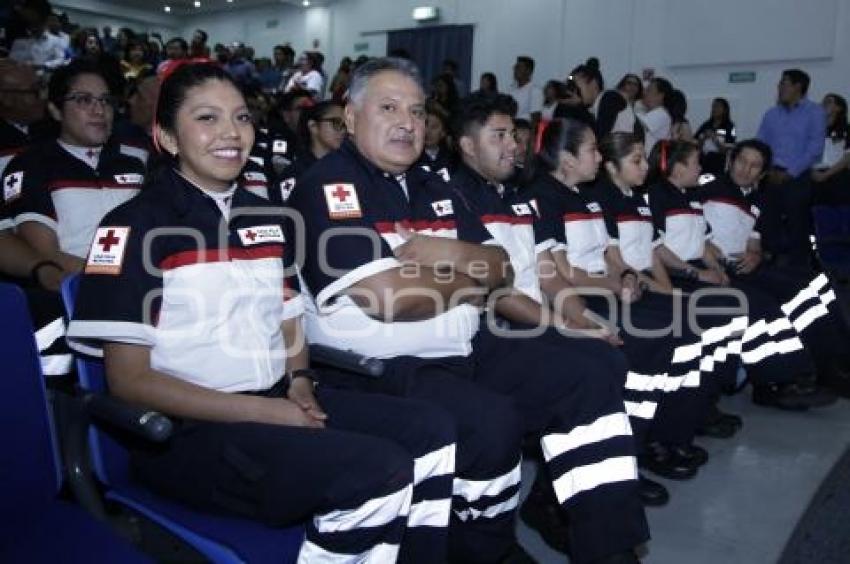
column 414, row 305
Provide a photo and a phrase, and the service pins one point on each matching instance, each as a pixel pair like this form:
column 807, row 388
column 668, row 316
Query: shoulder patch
column 342, row 201
column 107, row 250
column 13, row 185
column 279, row 146
column 261, row 234
column 442, row 207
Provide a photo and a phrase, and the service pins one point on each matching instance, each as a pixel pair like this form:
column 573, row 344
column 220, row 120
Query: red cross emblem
column 107, row 241
column 341, row 193
column 250, row 235
column 12, row 182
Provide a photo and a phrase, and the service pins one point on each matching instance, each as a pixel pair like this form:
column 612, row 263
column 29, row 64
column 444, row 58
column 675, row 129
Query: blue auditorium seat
column 832, row 234
column 37, row 526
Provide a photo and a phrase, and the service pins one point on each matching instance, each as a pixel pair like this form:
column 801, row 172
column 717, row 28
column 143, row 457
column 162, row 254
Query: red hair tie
column 664, row 144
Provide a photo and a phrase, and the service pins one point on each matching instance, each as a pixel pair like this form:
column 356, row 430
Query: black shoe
column 652, row 493
column 719, row 425
column 692, row 455
column 542, row 513
column 731, row 419
column 792, row 397
column 627, row 557
column 517, row 555
column 661, row 461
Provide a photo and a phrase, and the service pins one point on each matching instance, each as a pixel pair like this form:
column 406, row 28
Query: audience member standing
column 38, row 48
column 528, row 96
column 308, row 77
column 656, row 121
column 794, row 129
column 680, row 128
column 610, row 108
column 831, row 176
column 716, row 136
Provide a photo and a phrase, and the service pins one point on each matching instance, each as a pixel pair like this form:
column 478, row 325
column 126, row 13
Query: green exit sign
column 738, row 77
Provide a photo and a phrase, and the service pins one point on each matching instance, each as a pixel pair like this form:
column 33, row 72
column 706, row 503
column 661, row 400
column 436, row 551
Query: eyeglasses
column 337, row 123
column 86, row 100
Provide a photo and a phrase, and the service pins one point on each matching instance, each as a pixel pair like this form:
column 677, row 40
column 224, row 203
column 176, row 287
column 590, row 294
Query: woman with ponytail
column 777, row 364
column 663, row 391
column 610, row 108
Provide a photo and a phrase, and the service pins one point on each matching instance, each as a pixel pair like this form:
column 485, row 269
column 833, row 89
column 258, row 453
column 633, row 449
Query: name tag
column 129, row 178
column 254, row 176
column 644, row 211
column 522, row 209
column 261, row 234
column 442, row 208
column 279, row 146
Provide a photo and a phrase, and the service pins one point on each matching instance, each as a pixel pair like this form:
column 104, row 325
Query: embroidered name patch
column 261, row 234
column 107, row 250
column 442, row 207
column 342, row 201
column 13, row 184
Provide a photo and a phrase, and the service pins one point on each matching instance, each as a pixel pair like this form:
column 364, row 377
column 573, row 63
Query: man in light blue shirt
column 794, row 129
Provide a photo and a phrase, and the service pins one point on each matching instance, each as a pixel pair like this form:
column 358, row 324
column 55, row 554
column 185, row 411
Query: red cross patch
column 342, row 201
column 107, row 250
column 13, row 184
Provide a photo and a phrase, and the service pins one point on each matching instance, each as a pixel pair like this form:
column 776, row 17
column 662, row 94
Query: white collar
column 89, row 155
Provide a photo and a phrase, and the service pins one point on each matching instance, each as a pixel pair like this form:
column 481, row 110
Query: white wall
column 98, row 14
column 680, row 39
column 266, row 26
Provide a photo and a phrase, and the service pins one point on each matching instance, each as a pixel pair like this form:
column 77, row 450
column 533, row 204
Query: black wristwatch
column 38, row 266
column 308, row 373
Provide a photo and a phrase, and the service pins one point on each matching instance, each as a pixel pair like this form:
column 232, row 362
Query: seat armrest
column 140, row 421
column 346, row 360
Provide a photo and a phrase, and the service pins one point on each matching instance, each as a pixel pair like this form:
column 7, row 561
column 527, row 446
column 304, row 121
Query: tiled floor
column 744, row 504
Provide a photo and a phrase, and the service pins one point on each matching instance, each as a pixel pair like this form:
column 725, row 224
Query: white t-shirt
column 529, row 99
column 47, row 50
column 833, row 151
column 311, row 81
column 656, row 122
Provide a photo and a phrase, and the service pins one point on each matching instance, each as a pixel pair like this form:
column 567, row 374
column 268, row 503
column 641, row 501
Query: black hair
column 452, row 97
column 313, row 113
column 617, row 146
column 726, row 123
column 677, row 105
column 626, row 78
column 838, row 129
column 180, row 41
column 665, row 155
column 492, row 78
column 475, row 110
column 756, row 145
column 287, row 101
column 561, row 135
column 559, row 87
column 590, row 71
column 527, row 61
column 203, row 34
column 63, row 77
column 798, row 77
column 450, row 63
column 665, row 87
column 520, row 123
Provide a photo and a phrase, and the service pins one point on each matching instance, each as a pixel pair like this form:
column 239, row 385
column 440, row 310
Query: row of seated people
column 566, row 309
